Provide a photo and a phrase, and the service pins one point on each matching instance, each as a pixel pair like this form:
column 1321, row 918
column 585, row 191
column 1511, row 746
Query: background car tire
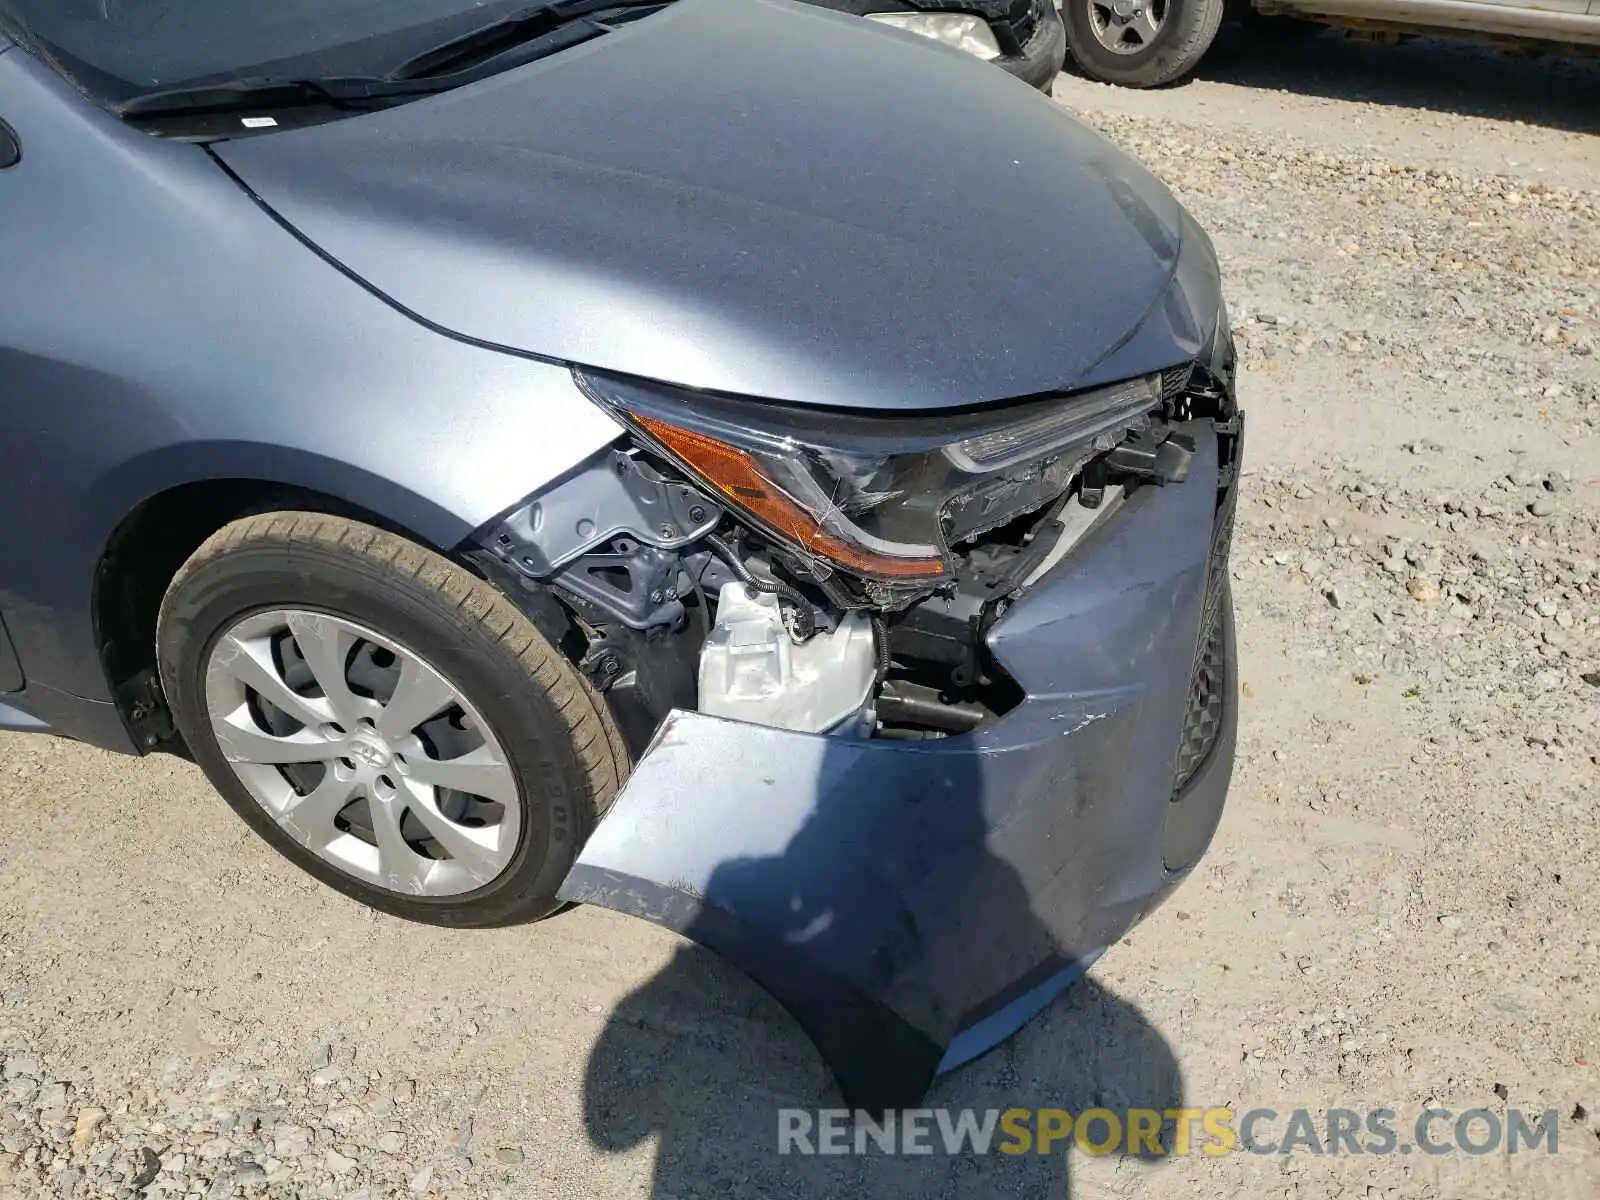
column 557, row 736
column 1185, row 32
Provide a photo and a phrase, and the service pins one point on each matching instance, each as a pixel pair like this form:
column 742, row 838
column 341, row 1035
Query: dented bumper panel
column 912, row 903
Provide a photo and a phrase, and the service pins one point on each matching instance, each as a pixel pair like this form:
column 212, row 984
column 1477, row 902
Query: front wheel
column 1140, row 43
column 386, row 720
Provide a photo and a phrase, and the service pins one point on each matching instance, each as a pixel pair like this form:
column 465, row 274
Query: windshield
column 121, row 48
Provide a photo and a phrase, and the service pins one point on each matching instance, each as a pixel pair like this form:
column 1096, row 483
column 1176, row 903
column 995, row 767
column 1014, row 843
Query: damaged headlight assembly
column 878, row 501
column 822, row 571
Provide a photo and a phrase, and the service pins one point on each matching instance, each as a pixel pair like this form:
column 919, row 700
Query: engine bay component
column 614, row 493
column 906, row 703
column 752, row 669
column 1074, row 523
column 644, row 676
column 728, row 606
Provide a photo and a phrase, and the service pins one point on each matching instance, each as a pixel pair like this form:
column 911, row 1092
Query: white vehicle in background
column 1147, row 43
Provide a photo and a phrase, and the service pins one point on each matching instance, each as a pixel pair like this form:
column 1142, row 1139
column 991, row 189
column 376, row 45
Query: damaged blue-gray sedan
column 721, row 460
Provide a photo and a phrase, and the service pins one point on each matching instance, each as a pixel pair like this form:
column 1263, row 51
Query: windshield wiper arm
column 524, row 25
column 445, row 66
column 266, row 94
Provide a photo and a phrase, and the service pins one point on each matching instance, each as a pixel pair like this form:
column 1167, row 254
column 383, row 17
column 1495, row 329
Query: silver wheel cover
column 1126, row 26
column 362, row 752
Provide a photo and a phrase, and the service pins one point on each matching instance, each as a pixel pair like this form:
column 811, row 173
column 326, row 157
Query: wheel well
column 140, row 561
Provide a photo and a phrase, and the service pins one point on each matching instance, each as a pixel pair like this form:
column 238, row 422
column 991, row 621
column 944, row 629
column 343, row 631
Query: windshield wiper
column 526, row 25
column 529, row 32
column 266, row 94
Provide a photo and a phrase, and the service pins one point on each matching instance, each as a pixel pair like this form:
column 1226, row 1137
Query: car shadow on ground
column 700, row 1062
column 1434, row 74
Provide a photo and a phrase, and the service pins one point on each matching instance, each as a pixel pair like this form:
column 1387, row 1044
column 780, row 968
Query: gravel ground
column 1401, row 906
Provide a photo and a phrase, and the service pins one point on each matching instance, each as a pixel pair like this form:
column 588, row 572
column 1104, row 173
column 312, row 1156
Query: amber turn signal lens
column 737, row 475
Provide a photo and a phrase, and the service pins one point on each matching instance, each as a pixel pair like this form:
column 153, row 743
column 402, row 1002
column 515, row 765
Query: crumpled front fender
column 913, row 903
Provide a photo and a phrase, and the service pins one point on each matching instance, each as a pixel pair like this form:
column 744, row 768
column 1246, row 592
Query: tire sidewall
column 523, row 719
column 1172, row 54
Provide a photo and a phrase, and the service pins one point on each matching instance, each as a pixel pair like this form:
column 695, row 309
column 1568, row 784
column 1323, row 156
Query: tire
column 1185, row 32
column 546, row 757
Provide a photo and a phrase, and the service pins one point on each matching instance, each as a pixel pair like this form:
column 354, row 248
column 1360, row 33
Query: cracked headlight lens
column 960, row 30
column 878, row 497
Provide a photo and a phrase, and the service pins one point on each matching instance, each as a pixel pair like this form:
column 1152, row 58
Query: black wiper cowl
column 263, row 95
column 529, row 33
column 519, row 28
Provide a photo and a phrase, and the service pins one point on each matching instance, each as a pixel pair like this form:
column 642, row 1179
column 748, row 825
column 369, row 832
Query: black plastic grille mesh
column 1018, row 26
column 1202, row 719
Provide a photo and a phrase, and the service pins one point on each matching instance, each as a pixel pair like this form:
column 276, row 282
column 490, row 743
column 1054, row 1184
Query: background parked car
column 1146, row 43
column 1024, row 37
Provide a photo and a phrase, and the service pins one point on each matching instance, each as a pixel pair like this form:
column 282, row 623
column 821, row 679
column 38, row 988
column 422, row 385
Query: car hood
column 753, row 197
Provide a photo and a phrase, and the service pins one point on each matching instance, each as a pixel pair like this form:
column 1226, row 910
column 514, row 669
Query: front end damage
column 912, row 808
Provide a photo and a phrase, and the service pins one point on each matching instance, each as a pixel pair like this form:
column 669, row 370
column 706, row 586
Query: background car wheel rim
column 362, row 752
column 1126, row 26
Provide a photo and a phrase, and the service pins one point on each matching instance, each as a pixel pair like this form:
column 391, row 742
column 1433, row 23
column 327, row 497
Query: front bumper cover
column 913, row 903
